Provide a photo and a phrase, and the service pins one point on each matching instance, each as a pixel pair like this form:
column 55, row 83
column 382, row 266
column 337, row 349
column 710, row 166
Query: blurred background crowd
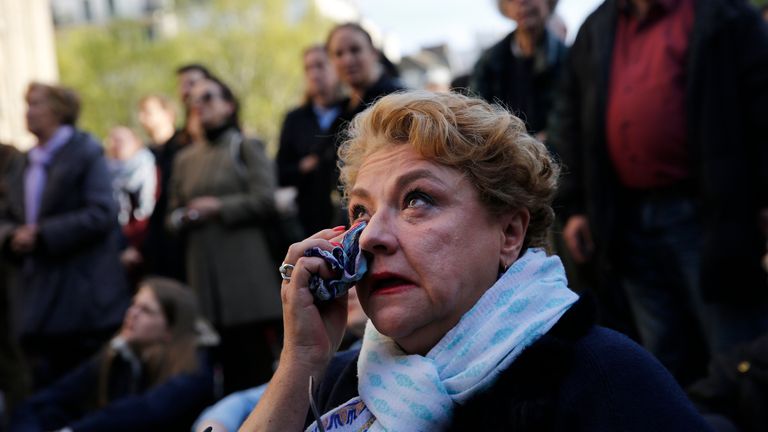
column 142, row 224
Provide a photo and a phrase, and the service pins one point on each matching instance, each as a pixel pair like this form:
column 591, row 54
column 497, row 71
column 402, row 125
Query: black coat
column 301, row 136
column 726, row 100
column 163, row 251
column 577, row 377
column 527, row 90
column 737, row 386
column 73, row 281
column 384, row 86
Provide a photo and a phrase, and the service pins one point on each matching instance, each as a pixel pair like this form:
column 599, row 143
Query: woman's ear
column 514, row 226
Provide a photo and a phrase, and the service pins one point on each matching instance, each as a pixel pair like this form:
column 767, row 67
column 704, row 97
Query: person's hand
column 206, row 208
column 578, row 238
column 131, row 257
column 312, row 332
column 308, row 163
column 24, row 239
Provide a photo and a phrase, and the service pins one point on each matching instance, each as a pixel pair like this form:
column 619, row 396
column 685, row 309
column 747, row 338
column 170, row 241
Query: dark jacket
column 577, row 377
column 301, row 136
column 133, row 405
column 524, row 86
column 726, row 99
column 163, row 251
column 73, row 281
column 737, row 386
column 384, row 86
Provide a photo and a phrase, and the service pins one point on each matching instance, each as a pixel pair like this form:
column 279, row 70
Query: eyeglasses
column 207, row 97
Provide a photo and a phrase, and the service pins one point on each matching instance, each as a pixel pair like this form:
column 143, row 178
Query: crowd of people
column 575, row 239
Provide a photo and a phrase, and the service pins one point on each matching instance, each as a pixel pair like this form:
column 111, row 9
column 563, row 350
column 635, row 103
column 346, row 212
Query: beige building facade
column 27, row 53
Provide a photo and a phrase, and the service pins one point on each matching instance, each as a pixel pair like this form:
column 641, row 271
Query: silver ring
column 285, row 271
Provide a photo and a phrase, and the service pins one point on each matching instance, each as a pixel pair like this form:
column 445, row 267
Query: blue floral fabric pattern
column 346, row 261
column 406, row 392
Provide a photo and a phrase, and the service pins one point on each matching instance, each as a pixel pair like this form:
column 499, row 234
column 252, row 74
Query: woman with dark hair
column 151, row 376
column 361, row 67
column 221, row 194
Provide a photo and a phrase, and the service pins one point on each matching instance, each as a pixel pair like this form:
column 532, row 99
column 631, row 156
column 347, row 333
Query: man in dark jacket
column 307, row 155
column 60, row 230
column 661, row 128
column 521, row 70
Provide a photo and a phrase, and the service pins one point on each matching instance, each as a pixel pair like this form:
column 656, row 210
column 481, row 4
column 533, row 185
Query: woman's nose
column 379, row 237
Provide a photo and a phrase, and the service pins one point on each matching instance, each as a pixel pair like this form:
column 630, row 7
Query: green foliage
column 253, row 45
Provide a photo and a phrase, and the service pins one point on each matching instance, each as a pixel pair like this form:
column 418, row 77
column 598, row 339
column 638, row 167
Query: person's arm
column 9, row 173
column 175, row 216
column 564, row 139
column 287, row 159
column 56, row 406
column 752, row 48
column 148, row 191
column 229, row 413
column 312, row 335
column 718, row 392
column 62, row 233
column 159, row 408
column 258, row 201
column 564, row 134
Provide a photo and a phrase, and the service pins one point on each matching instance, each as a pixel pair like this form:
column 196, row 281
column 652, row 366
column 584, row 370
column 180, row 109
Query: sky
column 460, row 23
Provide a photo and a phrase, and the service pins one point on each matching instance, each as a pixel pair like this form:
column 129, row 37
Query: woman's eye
column 356, row 212
column 417, row 199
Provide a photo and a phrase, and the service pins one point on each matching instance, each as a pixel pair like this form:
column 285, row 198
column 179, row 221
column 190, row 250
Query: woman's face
column 212, row 109
column 434, row 246
column 355, row 60
column 144, row 322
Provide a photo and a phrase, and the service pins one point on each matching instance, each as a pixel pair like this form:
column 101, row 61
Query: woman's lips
column 388, row 283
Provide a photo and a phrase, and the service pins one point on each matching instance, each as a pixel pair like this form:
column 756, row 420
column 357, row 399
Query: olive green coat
column 228, row 261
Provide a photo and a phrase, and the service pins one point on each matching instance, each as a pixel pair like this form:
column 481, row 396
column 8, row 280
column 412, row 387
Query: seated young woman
column 472, row 324
column 154, row 375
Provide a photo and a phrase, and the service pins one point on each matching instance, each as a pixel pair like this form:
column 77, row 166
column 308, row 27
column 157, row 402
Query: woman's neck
column 357, row 95
column 215, row 132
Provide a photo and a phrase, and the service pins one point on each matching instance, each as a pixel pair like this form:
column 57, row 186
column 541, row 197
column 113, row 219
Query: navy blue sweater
column 577, row 377
column 169, row 406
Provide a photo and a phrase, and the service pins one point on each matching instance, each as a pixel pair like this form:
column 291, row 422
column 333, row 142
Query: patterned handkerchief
column 346, row 261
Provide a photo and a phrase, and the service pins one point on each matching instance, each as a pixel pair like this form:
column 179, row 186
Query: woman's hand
column 312, row 332
column 207, row 207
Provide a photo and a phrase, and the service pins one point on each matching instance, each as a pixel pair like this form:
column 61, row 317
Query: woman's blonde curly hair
column 490, row 146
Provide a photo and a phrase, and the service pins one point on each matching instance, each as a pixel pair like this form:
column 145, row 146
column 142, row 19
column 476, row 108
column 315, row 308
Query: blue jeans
column 660, row 268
